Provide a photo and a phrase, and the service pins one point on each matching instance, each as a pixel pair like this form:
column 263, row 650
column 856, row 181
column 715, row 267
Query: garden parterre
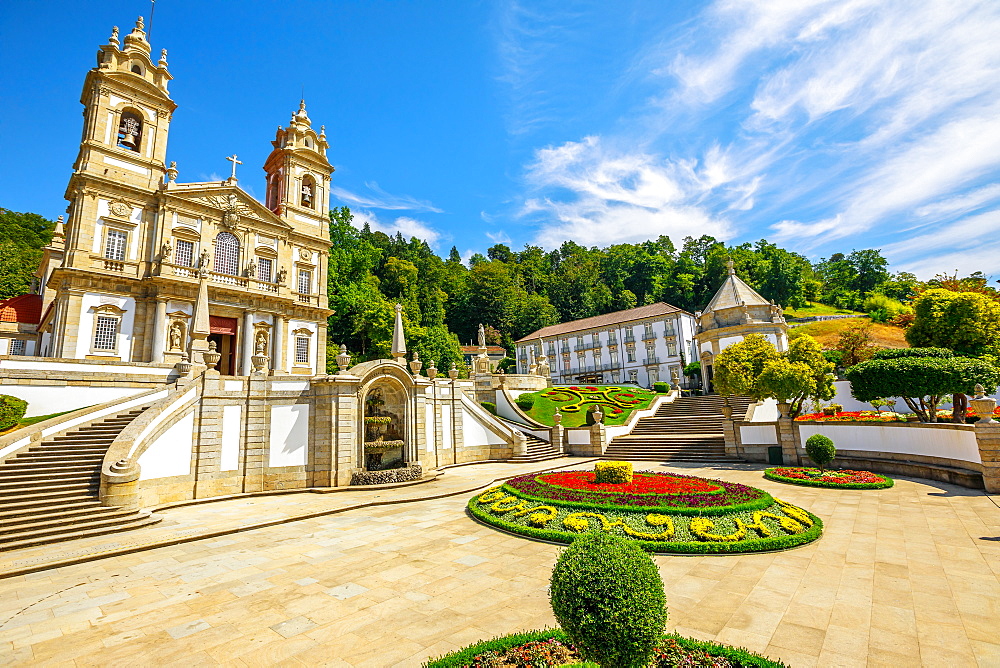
column 842, row 479
column 665, row 513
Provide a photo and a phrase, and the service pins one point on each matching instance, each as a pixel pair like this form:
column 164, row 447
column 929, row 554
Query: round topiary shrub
column 12, row 410
column 661, row 387
column 608, row 597
column 525, row 402
column 821, row 450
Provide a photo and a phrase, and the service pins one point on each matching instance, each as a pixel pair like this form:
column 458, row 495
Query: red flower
column 591, row 389
column 616, row 411
column 642, row 483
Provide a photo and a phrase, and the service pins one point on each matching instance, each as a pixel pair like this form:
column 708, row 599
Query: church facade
column 149, row 269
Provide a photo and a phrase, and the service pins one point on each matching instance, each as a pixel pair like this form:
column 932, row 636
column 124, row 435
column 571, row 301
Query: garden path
column 903, row 577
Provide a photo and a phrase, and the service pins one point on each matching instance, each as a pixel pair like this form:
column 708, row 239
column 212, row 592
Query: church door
column 223, row 332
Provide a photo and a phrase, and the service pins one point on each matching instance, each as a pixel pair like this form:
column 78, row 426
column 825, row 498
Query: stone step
column 56, row 518
column 46, row 505
column 47, row 493
column 25, row 481
column 49, row 464
column 32, row 539
column 70, row 456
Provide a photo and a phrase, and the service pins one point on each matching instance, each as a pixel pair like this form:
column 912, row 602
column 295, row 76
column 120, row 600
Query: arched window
column 137, row 68
column 273, row 186
column 227, row 254
column 130, row 131
column 308, row 191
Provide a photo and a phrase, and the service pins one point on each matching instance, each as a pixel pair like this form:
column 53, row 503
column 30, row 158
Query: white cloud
column 963, row 203
column 599, row 196
column 408, row 227
column 380, row 199
column 499, row 237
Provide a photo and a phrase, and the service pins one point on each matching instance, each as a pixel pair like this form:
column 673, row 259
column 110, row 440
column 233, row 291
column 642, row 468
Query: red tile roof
column 606, row 320
column 23, row 308
column 495, row 350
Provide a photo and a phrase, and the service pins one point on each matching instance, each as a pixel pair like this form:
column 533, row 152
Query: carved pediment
column 235, row 207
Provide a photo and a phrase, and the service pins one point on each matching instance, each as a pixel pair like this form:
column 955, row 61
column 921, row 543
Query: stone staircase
column 686, row 430
column 538, row 451
column 49, row 493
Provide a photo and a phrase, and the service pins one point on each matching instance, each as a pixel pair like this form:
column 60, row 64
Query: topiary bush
column 525, row 401
column 661, row 387
column 615, row 473
column 11, row 411
column 489, row 405
column 821, row 450
column 608, row 597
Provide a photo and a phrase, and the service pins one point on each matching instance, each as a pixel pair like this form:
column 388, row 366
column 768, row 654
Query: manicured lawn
column 828, row 331
column 28, row 421
column 815, row 308
column 611, row 398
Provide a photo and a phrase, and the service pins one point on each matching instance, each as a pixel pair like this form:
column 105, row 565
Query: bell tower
column 298, row 173
column 126, row 118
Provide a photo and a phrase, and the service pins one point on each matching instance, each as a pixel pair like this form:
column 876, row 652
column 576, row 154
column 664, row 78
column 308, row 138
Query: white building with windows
column 638, row 346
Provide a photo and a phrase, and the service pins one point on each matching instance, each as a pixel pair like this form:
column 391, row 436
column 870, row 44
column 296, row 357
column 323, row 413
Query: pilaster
column 788, row 438
column 988, row 439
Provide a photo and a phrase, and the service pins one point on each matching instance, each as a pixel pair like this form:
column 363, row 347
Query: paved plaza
column 902, row 577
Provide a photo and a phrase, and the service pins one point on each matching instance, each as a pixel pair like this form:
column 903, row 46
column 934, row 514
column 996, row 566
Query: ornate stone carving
column 120, row 208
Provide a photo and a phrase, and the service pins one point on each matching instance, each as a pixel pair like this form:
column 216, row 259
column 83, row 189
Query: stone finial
column 398, row 337
column 163, row 58
column 343, row 358
column 114, row 36
column 453, row 371
column 432, row 370
column 415, row 364
column 139, row 25
column 980, row 391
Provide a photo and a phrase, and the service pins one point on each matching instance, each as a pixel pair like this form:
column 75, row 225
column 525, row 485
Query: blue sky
column 822, row 126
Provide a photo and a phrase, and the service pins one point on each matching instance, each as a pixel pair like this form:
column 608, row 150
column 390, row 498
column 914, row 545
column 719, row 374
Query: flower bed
column 664, row 512
column 553, row 648
column 885, row 416
column 843, row 479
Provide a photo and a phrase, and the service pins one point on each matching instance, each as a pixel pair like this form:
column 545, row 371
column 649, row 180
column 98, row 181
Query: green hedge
column 661, row 388
column 678, row 547
column 899, row 353
column 740, row 658
column 770, row 475
column 525, row 401
column 11, row 411
column 489, row 405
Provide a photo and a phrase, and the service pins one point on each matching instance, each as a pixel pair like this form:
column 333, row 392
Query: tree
column 738, row 367
column 807, row 351
column 821, row 450
column 920, row 381
column 856, row 344
column 22, row 236
column 788, row 382
column 966, row 322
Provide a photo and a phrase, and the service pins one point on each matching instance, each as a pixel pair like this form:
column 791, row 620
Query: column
column 278, row 344
column 246, row 366
column 159, row 330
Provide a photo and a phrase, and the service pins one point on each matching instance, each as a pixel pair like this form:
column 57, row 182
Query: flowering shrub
column 669, row 493
column 615, row 473
column 813, row 477
column 853, row 416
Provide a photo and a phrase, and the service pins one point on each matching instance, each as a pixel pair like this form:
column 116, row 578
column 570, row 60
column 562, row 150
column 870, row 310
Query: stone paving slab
column 208, row 518
column 902, row 577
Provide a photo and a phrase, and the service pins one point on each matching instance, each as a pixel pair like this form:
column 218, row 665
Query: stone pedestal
column 557, row 436
column 520, row 443
column 598, row 439
column 988, row 438
column 788, row 438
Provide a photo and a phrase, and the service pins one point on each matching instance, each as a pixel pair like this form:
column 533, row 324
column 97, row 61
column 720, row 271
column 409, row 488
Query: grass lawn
column 623, row 398
column 815, row 308
column 28, row 421
column 828, row 331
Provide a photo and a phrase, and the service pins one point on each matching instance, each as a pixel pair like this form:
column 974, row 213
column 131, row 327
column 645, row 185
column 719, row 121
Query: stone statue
column 261, row 343
column 482, row 336
column 203, row 263
column 176, row 334
column 282, row 275
column 251, row 268
column 166, row 251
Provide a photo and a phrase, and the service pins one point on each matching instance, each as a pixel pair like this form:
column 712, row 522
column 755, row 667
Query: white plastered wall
column 232, row 430
column 289, row 440
column 475, row 433
column 45, row 400
column 170, row 454
column 916, row 440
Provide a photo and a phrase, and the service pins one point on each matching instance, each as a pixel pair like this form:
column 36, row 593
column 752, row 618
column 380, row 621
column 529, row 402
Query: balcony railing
column 651, row 359
column 629, row 337
column 649, row 336
column 113, row 265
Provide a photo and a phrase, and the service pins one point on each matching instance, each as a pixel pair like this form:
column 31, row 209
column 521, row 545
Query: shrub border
column 751, row 546
column 462, row 658
column 770, row 475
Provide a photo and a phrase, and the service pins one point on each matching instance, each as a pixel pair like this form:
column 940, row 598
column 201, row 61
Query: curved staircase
column 538, row 451
column 689, row 429
column 49, row 493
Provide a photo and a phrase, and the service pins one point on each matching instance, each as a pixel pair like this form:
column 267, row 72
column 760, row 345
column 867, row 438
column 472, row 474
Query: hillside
column 827, row 332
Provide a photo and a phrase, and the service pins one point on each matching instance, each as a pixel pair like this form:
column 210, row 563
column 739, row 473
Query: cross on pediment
column 235, row 162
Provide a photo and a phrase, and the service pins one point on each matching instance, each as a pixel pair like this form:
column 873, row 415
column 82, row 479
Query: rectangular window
column 114, row 245
column 631, row 354
column 265, row 269
column 671, row 349
column 106, row 333
column 185, row 253
column 305, row 281
column 302, row 350
column 17, row 346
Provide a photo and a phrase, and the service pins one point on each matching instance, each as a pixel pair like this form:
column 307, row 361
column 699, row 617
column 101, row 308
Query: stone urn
column 727, row 409
column 432, row 371
column 982, row 405
column 184, row 365
column 212, row 357
column 783, row 409
column 259, row 362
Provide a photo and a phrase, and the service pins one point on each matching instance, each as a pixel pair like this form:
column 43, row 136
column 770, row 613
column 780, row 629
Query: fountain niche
column 384, row 440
